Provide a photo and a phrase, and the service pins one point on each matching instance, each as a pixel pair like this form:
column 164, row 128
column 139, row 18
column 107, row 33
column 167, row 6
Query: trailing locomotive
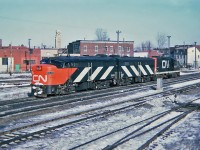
column 65, row 74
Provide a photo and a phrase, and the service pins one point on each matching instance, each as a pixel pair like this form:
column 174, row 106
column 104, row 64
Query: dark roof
column 98, row 41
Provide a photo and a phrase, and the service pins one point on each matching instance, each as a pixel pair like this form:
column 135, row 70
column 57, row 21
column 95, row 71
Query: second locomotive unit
column 65, row 74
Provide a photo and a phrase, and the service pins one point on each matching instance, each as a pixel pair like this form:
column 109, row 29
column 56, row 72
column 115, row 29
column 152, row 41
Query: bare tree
column 101, row 34
column 161, row 40
column 147, row 45
column 143, row 46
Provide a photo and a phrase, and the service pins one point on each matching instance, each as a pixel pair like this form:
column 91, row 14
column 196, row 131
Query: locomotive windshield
column 56, row 63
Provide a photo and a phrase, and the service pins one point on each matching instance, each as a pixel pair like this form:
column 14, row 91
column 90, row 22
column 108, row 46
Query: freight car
column 66, row 74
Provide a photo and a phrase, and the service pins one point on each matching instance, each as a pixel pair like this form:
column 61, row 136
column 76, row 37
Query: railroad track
column 150, row 84
column 14, row 107
column 23, row 133
column 142, row 130
column 12, row 83
column 23, row 136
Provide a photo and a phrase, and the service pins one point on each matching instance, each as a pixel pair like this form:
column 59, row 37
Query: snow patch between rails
column 185, row 83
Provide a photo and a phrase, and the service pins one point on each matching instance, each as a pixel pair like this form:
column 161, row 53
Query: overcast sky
column 138, row 20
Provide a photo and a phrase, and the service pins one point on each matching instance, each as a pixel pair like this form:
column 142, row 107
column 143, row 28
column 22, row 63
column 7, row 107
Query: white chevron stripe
column 149, row 69
column 107, row 72
column 135, row 70
column 82, row 74
column 142, row 69
column 126, row 71
column 95, row 73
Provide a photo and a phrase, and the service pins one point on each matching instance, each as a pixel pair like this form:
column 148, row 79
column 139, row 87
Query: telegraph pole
column 11, row 59
column 185, row 52
column 29, row 46
column 195, row 59
column 118, row 32
column 169, row 44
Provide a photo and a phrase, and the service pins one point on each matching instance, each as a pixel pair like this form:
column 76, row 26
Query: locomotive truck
column 66, row 74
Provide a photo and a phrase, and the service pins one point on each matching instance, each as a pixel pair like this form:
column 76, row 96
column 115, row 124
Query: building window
column 96, row 48
column 122, row 49
column 85, row 48
column 111, row 48
column 128, row 49
column 106, row 48
column 76, row 46
column 4, row 61
column 119, row 48
column 26, row 62
column 32, row 61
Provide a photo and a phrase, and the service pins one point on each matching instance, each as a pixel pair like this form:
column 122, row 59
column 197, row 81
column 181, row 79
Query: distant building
column 149, row 53
column 94, row 47
column 58, row 39
column 184, row 54
column 6, row 64
column 141, row 54
column 49, row 52
column 19, row 58
column 191, row 56
column 180, row 53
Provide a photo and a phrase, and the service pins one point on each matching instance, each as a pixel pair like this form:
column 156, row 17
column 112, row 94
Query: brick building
column 93, row 47
column 22, row 58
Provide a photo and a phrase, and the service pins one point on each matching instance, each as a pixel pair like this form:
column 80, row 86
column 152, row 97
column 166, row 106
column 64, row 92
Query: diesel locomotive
column 66, row 74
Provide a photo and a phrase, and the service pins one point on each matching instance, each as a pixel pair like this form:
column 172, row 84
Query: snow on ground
column 185, row 135
column 71, row 136
column 185, row 84
column 14, row 93
column 191, row 71
column 14, row 75
column 11, row 91
column 68, row 137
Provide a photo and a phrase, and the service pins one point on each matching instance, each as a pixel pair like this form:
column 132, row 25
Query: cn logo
column 165, row 64
column 39, row 78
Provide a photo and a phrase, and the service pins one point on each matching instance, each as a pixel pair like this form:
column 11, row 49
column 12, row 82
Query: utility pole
column 29, row 46
column 195, row 59
column 118, row 32
column 169, row 44
column 185, row 52
column 11, row 59
column 123, row 48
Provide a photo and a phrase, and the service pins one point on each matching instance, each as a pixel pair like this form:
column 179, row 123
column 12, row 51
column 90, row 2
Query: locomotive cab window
column 58, row 64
